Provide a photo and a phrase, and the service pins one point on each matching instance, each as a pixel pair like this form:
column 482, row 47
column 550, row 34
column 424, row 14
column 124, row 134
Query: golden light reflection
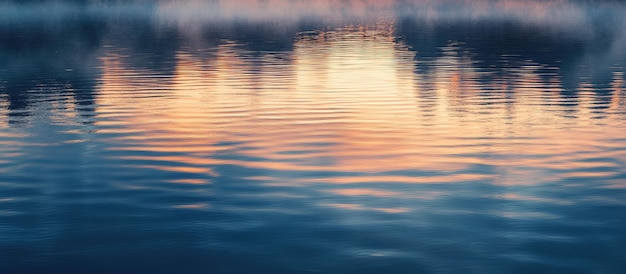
column 350, row 103
column 4, row 107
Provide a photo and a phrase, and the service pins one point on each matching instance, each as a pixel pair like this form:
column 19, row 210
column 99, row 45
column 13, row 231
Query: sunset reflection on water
column 345, row 115
column 347, row 102
column 398, row 136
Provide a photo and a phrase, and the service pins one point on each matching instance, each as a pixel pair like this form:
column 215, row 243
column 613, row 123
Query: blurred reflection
column 449, row 130
column 29, row 72
column 348, row 100
column 325, row 95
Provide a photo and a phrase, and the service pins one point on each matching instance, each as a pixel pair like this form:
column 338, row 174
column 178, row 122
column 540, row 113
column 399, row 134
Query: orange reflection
column 190, row 181
column 350, row 103
column 365, row 192
column 618, row 101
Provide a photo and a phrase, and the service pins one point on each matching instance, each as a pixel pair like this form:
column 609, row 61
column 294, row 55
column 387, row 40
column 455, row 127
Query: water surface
column 335, row 137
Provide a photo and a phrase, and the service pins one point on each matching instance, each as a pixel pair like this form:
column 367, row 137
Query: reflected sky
column 339, row 136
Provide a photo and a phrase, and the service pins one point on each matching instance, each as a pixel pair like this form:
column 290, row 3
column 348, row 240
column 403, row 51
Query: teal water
column 329, row 137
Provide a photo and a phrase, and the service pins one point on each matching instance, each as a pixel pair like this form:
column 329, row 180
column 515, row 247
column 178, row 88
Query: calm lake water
column 326, row 137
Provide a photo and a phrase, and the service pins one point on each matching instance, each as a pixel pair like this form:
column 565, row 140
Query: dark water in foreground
column 415, row 139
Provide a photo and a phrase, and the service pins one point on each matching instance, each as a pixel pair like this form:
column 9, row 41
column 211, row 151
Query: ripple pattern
column 349, row 152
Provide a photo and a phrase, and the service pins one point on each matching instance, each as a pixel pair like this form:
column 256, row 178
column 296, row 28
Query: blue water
column 325, row 137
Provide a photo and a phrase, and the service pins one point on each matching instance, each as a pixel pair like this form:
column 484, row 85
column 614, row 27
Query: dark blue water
column 325, row 137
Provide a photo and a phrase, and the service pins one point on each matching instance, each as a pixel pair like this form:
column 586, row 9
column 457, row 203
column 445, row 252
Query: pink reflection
column 358, row 207
column 557, row 14
column 278, row 10
column 193, row 206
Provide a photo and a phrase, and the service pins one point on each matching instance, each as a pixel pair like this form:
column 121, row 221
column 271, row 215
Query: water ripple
column 374, row 147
